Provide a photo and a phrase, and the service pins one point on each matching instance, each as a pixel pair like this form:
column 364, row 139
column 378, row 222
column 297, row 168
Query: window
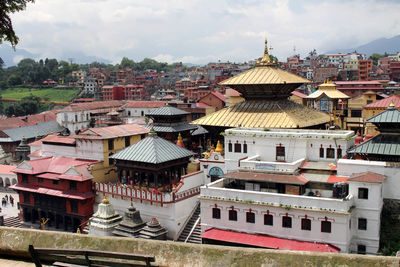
column 339, row 153
column 27, row 197
column 216, row 213
column 363, row 193
column 40, row 180
column 268, row 219
column 250, row 217
column 369, row 102
column 55, row 182
column 361, row 249
column 72, row 185
column 286, row 222
column 321, row 152
column 127, row 141
column 110, row 144
column 230, row 147
column 74, row 206
column 306, row 224
column 76, row 118
column 25, row 178
column 326, row 226
column 330, row 153
column 244, row 148
column 233, row 215
column 362, row 224
column 280, row 153
column 238, row 148
column 355, row 113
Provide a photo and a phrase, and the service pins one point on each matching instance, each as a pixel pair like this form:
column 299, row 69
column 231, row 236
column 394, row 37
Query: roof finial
column 392, row 106
column 219, row 147
column 266, row 60
column 180, row 141
column 105, row 200
column 152, row 131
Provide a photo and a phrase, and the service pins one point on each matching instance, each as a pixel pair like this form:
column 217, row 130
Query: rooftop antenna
column 71, row 60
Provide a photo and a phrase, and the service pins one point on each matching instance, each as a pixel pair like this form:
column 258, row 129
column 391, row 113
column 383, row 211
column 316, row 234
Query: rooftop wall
column 14, row 242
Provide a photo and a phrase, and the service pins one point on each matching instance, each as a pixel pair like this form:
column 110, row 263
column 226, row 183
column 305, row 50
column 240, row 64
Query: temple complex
column 131, row 224
column 153, row 230
column 266, row 89
column 104, row 220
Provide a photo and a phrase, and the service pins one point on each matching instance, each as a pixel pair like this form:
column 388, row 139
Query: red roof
column 111, row 132
column 264, row 241
column 384, row 103
column 335, row 179
column 7, row 169
column 53, row 192
column 93, row 105
column 219, row 95
column 169, row 97
column 301, row 95
column 367, row 177
column 232, row 92
column 357, row 82
column 145, row 104
column 55, row 138
column 202, row 105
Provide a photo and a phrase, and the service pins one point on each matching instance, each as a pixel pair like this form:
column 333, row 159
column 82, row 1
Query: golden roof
column 265, row 114
column 219, row 147
column 329, row 89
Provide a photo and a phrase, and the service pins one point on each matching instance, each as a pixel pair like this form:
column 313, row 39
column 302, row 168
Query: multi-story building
column 280, row 187
column 364, row 69
column 395, row 71
column 140, row 108
column 357, row 88
column 90, row 85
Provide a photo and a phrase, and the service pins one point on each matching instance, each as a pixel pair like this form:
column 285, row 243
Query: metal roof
column 152, row 149
column 166, row 111
column 41, row 129
column 200, row 130
column 265, row 113
column 391, row 115
column 173, row 128
column 383, row 144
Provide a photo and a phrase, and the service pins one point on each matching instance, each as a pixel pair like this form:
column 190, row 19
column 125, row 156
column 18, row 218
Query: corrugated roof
column 173, row 128
column 145, row 104
column 55, row 138
column 367, row 177
column 6, row 169
column 41, row 129
column 166, row 111
column 264, row 75
column 390, row 115
column 93, row 105
column 264, row 113
column 152, row 149
column 383, row 144
column 199, row 130
column 297, row 93
column 266, row 177
column 111, row 132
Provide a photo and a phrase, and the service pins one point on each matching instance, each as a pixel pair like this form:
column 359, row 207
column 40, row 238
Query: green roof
column 153, row 149
column 390, row 115
column 383, row 144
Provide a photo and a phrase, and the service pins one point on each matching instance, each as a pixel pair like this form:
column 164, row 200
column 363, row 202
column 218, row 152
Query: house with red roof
column 7, row 176
column 214, row 99
column 56, row 189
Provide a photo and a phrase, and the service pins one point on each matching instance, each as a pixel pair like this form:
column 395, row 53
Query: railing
column 278, row 199
column 187, row 220
column 145, row 194
column 254, row 164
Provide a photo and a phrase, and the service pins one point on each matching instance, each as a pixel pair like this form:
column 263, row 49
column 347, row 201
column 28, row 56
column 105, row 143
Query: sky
column 201, row 31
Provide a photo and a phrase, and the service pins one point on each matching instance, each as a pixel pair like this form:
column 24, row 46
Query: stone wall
column 14, row 242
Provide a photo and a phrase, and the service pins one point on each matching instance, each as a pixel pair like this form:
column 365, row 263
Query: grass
column 44, row 94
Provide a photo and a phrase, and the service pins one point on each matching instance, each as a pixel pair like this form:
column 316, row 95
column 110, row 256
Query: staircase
column 192, row 231
column 13, row 222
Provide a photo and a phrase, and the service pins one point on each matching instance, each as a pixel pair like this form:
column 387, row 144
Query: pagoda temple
column 153, row 230
column 104, row 220
column 131, row 224
column 169, row 122
column 266, row 89
column 386, row 145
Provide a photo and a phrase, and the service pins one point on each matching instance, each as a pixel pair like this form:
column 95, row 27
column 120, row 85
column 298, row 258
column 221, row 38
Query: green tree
column 14, row 80
column 6, row 28
column 375, row 57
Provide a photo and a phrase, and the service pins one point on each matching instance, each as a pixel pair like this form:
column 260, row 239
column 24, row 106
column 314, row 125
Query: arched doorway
column 215, row 172
column 7, row 182
column 13, row 181
column 1, row 182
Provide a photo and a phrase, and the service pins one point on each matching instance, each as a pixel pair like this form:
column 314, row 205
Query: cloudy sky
column 200, row 31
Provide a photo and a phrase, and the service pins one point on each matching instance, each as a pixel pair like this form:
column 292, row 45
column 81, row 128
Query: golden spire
column 219, row 147
column 392, row 104
column 266, row 60
column 180, row 141
column 105, row 200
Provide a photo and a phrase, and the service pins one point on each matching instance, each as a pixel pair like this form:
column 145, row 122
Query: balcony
column 255, row 163
column 217, row 190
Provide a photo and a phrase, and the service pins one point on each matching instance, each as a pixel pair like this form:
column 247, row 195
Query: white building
column 140, row 108
column 7, row 177
column 284, row 184
column 90, row 85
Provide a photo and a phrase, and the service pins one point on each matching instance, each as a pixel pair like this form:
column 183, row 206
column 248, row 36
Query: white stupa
column 104, row 220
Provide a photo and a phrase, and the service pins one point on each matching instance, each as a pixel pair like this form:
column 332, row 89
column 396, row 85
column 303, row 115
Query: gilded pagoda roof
column 265, row 113
column 328, row 89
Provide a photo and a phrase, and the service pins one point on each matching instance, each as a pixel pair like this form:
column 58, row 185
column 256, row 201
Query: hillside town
column 300, row 155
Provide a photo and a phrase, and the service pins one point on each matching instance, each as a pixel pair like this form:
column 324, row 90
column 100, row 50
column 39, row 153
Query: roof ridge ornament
column 391, row 106
column 152, row 132
column 266, row 59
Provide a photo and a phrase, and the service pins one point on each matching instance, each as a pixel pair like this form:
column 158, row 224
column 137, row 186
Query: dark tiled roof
column 166, row 111
column 383, row 144
column 28, row 132
column 152, row 149
column 367, row 177
column 172, row 128
column 200, row 130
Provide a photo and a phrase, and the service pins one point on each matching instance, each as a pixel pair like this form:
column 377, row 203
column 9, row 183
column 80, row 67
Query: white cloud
column 201, row 31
